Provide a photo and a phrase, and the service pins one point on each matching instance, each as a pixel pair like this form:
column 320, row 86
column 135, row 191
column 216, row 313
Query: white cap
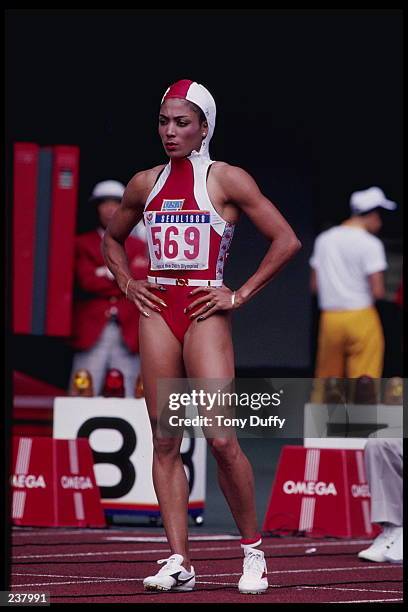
column 201, row 97
column 106, row 190
column 363, row 201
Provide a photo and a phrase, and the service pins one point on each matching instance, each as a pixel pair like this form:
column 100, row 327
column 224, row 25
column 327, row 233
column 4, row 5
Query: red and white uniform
column 188, row 240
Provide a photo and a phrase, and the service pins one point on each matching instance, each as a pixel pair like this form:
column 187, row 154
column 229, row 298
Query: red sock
column 251, row 542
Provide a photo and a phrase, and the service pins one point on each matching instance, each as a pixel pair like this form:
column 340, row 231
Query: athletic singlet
column 186, row 236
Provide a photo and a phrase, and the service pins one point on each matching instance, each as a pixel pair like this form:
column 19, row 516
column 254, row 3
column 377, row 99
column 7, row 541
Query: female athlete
column 190, row 207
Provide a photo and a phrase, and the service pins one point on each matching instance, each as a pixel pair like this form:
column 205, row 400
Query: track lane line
column 349, row 601
column 199, row 576
column 161, row 550
column 334, row 588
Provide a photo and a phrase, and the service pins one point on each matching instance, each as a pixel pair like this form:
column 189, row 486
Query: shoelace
column 170, row 563
column 254, row 564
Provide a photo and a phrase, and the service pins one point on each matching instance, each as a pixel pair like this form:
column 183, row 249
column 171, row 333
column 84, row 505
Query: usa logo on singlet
column 172, row 204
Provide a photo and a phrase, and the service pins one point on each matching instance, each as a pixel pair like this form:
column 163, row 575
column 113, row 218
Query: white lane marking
column 334, row 588
column 27, row 532
column 228, row 584
column 104, row 553
column 208, row 549
column 159, row 539
column 199, row 576
column 349, row 601
column 57, row 575
column 311, row 570
column 32, row 532
column 37, row 584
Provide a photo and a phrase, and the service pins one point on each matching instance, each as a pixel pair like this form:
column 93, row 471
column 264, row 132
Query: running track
column 108, row 566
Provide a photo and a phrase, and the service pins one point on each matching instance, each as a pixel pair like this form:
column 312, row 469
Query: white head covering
column 199, row 95
column 368, row 199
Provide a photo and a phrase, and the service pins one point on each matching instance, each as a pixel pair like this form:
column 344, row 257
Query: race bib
column 178, row 240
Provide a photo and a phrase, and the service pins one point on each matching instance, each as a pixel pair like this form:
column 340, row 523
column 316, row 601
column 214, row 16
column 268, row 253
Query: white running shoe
column 254, row 579
column 376, row 552
column 172, row 577
column 394, row 551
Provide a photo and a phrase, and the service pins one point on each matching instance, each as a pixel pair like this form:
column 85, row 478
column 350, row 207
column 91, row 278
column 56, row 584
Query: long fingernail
column 163, row 303
column 185, row 311
column 192, row 315
column 145, row 314
column 158, row 309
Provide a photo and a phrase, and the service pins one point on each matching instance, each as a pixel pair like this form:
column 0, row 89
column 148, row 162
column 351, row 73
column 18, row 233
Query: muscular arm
column 123, row 221
column 240, row 189
column 376, row 281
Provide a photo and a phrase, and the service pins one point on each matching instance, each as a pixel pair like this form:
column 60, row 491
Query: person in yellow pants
column 347, row 264
column 351, row 344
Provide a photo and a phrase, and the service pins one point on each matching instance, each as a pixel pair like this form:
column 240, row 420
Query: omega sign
column 76, row 482
column 28, row 481
column 31, row 481
column 309, row 488
column 360, row 490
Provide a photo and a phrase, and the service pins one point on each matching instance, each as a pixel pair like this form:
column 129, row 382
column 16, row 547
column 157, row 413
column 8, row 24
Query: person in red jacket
column 105, row 323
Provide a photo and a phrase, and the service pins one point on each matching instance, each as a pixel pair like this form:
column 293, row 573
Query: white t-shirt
column 343, row 257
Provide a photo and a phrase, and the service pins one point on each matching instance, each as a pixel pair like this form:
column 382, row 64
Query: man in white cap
column 347, row 264
column 105, row 323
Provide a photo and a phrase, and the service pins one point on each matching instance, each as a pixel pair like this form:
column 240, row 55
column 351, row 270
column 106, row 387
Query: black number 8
column 120, row 458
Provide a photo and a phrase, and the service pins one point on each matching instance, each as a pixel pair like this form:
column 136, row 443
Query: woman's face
column 179, row 128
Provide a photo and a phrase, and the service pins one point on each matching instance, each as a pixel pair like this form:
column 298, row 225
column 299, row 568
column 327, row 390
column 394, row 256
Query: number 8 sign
column 119, row 434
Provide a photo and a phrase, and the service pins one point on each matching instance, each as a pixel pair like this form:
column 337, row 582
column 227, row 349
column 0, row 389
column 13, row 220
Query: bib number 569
column 169, row 247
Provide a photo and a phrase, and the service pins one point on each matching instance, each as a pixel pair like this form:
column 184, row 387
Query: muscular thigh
column 161, row 357
column 208, row 349
column 209, row 356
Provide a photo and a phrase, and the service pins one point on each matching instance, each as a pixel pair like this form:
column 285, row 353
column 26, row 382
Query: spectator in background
column 105, row 323
column 347, row 264
column 384, row 468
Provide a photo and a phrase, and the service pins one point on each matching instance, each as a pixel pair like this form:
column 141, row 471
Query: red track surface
column 85, row 565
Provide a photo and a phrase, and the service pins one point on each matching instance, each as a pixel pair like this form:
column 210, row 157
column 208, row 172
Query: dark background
column 309, row 102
